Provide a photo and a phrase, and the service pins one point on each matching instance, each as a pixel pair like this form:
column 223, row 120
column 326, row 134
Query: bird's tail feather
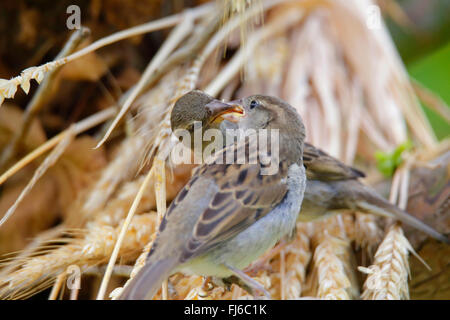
column 148, row 280
column 382, row 207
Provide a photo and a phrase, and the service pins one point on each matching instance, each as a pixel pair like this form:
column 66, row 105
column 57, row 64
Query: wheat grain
column 94, row 248
column 388, row 276
column 367, row 233
column 332, row 275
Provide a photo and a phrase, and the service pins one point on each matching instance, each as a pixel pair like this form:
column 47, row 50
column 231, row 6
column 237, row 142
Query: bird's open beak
column 231, row 111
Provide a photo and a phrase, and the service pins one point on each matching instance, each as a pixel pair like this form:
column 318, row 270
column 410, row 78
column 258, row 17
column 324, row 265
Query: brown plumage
column 230, row 213
column 321, row 166
column 332, row 186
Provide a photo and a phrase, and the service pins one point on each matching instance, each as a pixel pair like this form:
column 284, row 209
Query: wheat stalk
column 368, row 234
column 49, row 161
column 95, row 247
column 388, row 276
column 332, row 275
column 288, row 19
column 176, row 36
column 40, row 97
column 314, row 65
column 120, row 238
column 297, row 256
column 78, row 128
column 8, row 88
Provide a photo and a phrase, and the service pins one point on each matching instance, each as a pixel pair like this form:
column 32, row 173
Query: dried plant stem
column 48, row 162
column 430, row 154
column 186, row 53
column 396, row 12
column 404, row 184
column 163, row 23
column 413, row 112
column 279, row 24
column 367, row 233
column 40, row 97
column 432, row 100
column 176, row 36
column 8, row 87
column 84, row 248
column 160, row 194
column 78, row 128
column 115, row 253
column 225, row 31
column 121, row 271
column 333, row 282
column 297, row 260
column 74, row 294
column 395, row 187
column 57, row 286
column 332, row 275
column 283, row 275
column 388, row 276
column 30, row 249
column 180, row 56
column 140, row 262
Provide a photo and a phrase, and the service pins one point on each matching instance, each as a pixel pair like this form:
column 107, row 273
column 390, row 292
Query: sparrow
column 332, row 187
column 229, row 214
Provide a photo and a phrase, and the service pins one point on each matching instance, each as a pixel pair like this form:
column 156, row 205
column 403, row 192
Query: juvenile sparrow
column 332, row 187
column 230, row 214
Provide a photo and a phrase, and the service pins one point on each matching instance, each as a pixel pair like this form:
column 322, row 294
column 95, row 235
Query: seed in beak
column 234, row 114
column 219, row 111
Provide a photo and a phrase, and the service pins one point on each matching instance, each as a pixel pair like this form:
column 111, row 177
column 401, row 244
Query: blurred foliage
column 427, row 30
column 433, row 71
column 387, row 162
column 425, row 48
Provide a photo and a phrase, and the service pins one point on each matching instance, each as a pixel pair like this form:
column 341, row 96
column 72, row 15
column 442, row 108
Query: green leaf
column 388, row 162
column 433, row 72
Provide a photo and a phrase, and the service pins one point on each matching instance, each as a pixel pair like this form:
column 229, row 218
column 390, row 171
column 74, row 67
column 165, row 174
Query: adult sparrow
column 229, row 214
column 332, row 187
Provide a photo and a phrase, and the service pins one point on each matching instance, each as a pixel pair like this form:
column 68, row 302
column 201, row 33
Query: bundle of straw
column 343, row 76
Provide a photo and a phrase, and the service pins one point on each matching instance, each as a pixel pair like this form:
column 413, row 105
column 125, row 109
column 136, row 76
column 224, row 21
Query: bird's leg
column 246, row 282
column 263, row 262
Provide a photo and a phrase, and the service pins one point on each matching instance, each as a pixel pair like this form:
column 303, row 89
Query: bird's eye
column 253, row 104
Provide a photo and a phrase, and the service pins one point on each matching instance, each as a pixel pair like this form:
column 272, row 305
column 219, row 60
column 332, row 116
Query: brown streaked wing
column 244, row 196
column 321, row 166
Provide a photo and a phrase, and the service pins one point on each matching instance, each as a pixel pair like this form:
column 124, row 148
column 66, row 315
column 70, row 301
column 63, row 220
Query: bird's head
column 197, row 106
column 267, row 112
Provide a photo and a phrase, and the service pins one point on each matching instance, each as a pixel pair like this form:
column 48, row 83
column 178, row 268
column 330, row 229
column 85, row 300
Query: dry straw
column 93, row 247
column 318, row 55
column 8, row 88
column 388, row 275
column 333, row 273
